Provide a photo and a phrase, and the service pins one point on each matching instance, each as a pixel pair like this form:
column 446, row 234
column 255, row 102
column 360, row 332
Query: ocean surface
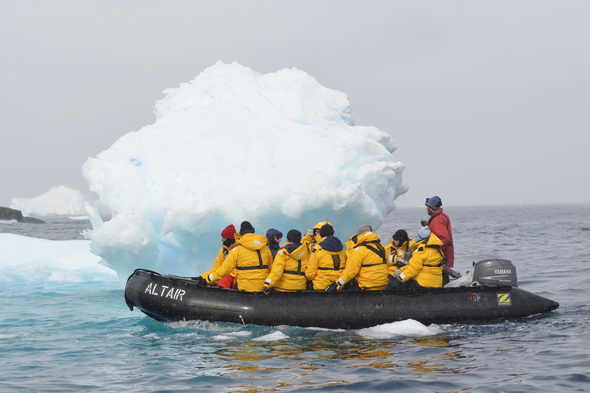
column 81, row 337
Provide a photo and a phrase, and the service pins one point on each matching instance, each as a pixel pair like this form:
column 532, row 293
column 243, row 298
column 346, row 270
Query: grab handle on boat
column 451, row 272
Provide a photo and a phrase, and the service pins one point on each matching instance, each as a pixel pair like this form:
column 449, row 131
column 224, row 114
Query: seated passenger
column 327, row 260
column 228, row 243
column 399, row 250
column 288, row 267
column 424, row 269
column 251, row 258
column 274, row 236
column 366, row 263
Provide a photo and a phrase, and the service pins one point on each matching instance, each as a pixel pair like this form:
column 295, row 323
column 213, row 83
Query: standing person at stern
column 440, row 224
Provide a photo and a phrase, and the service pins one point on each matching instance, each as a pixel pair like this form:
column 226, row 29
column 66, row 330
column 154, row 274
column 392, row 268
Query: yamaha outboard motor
column 494, row 272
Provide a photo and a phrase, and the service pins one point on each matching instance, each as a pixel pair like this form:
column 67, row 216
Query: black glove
column 332, row 287
column 267, row 290
column 424, row 223
column 199, row 281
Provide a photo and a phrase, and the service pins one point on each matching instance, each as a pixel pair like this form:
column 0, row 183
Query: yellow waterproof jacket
column 252, row 260
column 425, row 266
column 404, row 251
column 367, row 262
column 326, row 263
column 350, row 245
column 288, row 268
column 221, row 255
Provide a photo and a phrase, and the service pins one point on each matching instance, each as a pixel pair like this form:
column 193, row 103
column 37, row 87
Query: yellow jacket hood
column 321, row 224
column 433, row 240
column 253, row 241
column 300, row 252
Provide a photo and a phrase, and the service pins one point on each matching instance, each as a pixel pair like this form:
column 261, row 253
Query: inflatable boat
column 490, row 293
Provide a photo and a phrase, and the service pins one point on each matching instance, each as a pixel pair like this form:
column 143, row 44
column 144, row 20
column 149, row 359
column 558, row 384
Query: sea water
column 81, row 337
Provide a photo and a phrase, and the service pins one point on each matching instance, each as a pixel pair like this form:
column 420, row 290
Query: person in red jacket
column 440, row 224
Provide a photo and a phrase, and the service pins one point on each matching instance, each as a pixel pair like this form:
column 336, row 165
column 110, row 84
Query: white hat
column 423, row 233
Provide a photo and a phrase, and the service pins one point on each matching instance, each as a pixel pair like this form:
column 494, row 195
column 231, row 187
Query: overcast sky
column 487, row 101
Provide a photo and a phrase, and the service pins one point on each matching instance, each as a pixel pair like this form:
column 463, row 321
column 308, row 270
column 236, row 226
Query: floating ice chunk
column 232, row 335
column 276, row 336
column 223, row 337
column 26, row 259
column 408, row 328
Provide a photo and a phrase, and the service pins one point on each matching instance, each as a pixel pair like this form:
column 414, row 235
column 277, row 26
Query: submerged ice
column 277, row 149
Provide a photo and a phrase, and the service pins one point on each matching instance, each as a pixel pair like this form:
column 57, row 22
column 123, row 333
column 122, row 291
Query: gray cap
column 363, row 228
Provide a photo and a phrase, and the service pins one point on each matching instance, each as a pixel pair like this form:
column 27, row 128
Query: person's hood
column 290, row 247
column 296, row 250
column 270, row 236
column 253, row 241
column 321, row 224
column 331, row 243
column 433, row 240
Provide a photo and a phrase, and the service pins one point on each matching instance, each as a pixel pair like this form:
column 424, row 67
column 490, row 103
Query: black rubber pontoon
column 173, row 298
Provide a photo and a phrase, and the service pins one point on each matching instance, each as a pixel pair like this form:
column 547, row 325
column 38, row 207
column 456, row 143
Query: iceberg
column 59, row 201
column 278, row 149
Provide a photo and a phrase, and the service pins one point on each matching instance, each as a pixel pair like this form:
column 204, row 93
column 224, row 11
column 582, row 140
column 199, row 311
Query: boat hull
column 173, row 298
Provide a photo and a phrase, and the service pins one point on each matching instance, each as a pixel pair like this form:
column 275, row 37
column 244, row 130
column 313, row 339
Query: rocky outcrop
column 32, row 220
column 8, row 214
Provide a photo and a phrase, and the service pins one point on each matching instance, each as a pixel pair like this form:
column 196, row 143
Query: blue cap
column 434, row 202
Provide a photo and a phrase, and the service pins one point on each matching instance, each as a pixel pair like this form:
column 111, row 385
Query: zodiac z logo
column 503, row 299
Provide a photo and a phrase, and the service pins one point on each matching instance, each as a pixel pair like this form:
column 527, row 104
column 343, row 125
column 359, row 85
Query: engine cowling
column 494, row 272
